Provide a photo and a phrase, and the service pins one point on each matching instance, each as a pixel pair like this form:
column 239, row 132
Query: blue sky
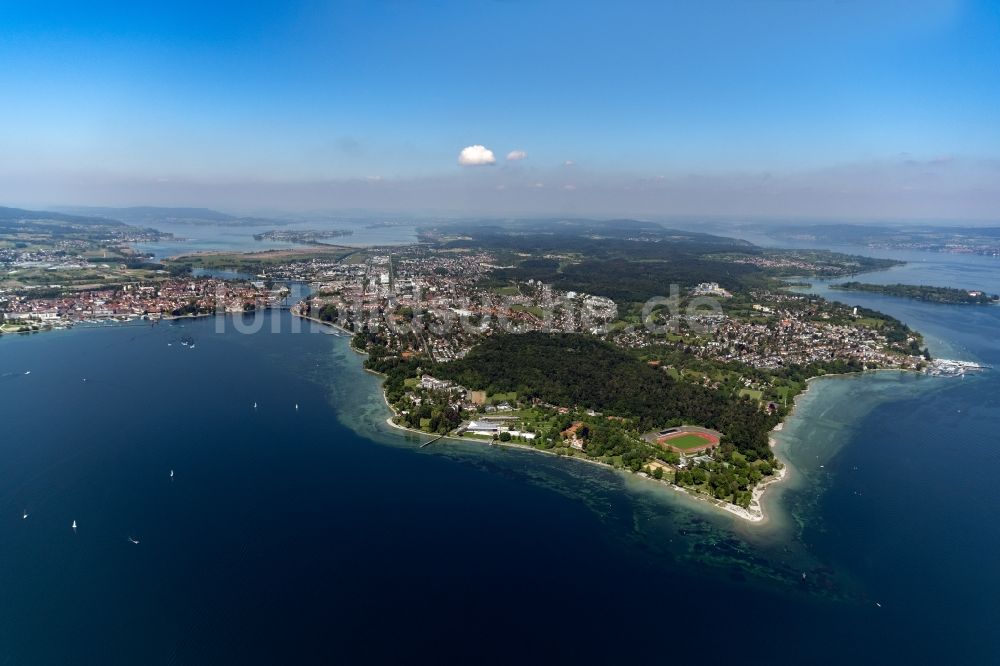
column 857, row 108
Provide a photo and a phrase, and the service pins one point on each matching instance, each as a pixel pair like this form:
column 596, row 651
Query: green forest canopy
column 579, row 370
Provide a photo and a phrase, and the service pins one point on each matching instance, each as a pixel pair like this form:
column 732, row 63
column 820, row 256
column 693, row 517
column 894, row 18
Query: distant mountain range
column 152, row 215
column 9, row 215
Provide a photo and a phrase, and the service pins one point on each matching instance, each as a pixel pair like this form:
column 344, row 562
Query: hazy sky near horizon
column 851, row 108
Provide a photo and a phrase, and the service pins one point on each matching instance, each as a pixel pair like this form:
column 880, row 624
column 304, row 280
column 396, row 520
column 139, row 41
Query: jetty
column 431, row 441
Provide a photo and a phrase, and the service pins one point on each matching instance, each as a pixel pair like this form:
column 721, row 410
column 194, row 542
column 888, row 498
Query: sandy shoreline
column 758, row 491
column 746, row 514
column 754, row 514
column 497, row 443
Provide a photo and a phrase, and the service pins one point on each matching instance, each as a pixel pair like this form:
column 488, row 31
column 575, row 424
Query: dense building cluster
column 441, row 304
column 177, row 297
column 788, row 339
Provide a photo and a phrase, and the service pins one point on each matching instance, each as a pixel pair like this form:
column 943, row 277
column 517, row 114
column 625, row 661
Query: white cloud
column 516, row 156
column 476, row 156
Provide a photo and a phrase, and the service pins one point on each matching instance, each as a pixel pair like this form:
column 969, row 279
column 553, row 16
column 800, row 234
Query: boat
column 24, row 516
column 171, row 474
column 192, row 346
column 134, row 540
column 74, row 524
column 27, row 372
column 296, row 406
column 255, row 405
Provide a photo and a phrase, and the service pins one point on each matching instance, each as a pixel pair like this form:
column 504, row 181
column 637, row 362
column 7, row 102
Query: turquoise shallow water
column 318, row 534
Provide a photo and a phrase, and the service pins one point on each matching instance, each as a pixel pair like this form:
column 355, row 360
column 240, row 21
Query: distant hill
column 11, row 215
column 908, row 236
column 595, row 239
column 152, row 215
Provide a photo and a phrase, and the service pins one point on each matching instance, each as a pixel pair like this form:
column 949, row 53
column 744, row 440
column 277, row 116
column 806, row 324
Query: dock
column 431, row 441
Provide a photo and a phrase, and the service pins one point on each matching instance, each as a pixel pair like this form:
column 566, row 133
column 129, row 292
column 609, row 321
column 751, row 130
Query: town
column 167, row 299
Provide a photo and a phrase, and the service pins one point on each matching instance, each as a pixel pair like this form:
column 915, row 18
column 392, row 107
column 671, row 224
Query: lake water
column 319, row 534
column 191, row 238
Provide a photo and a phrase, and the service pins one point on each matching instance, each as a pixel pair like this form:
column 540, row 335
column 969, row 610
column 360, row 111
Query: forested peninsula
column 926, row 293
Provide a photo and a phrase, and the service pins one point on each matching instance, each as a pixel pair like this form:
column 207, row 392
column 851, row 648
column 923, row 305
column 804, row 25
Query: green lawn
column 685, row 442
column 532, row 309
column 870, row 322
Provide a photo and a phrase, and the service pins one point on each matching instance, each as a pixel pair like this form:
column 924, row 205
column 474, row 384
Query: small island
column 926, row 293
column 308, row 236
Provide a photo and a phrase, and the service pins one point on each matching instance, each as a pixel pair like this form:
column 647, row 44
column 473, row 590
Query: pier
column 431, row 441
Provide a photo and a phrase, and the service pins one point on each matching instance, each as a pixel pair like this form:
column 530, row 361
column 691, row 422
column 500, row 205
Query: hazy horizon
column 824, row 109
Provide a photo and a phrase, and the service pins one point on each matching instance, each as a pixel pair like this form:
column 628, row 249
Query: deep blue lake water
column 316, row 534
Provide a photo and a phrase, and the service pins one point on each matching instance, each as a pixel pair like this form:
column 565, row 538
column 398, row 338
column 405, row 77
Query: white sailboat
column 134, row 540
column 296, row 406
column 74, row 524
column 25, row 516
column 255, row 405
column 171, row 474
column 27, row 372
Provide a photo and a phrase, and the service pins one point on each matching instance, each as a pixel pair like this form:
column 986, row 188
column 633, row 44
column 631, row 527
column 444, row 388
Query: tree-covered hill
column 11, row 217
column 579, row 370
column 627, row 281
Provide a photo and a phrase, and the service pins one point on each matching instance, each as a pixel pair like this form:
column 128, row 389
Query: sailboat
column 134, row 540
column 171, row 474
column 296, row 406
column 24, row 516
column 74, row 524
column 27, row 372
column 255, row 405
